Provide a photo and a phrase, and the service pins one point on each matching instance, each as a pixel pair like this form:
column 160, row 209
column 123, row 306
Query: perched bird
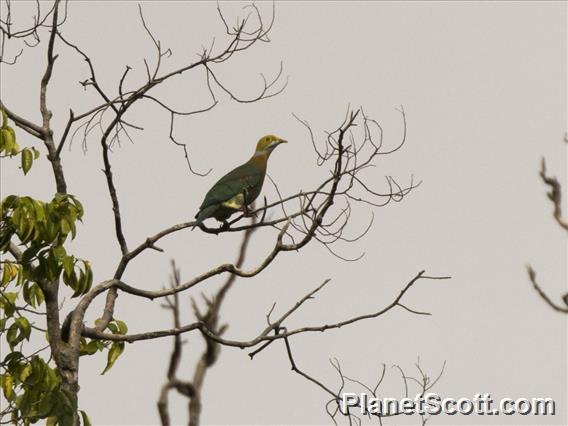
column 240, row 187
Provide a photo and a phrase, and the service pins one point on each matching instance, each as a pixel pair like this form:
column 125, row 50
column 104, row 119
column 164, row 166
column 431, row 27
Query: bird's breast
column 260, row 161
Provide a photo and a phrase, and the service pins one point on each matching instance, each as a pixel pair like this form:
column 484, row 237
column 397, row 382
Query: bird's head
column 267, row 143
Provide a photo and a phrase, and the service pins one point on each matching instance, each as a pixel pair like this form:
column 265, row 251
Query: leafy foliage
column 33, row 389
column 43, row 228
column 90, row 347
column 116, row 348
column 36, row 232
column 9, row 146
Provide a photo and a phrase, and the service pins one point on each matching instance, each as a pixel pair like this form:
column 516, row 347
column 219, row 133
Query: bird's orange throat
column 260, row 160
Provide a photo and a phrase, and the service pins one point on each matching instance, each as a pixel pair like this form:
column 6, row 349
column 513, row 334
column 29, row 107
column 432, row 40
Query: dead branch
column 211, row 319
column 265, row 335
column 424, row 383
column 314, row 208
column 29, row 35
column 242, row 39
column 544, row 296
column 554, row 195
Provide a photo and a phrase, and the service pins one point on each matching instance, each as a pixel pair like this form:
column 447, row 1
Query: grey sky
column 484, row 89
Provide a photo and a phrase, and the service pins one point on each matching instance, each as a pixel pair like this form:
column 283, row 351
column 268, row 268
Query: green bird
column 240, row 187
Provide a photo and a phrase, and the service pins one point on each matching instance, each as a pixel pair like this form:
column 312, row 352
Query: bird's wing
column 237, row 181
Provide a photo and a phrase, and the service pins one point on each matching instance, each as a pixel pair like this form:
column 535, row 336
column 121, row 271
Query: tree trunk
column 66, row 357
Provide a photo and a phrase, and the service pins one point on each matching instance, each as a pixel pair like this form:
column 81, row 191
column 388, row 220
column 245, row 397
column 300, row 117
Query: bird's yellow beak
column 276, row 142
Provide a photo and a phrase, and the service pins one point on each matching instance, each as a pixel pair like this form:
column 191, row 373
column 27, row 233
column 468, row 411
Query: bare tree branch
column 554, row 195
column 311, row 211
column 543, row 295
column 193, row 389
column 320, row 214
column 24, row 124
column 241, row 40
column 263, row 336
column 45, row 112
column 425, row 383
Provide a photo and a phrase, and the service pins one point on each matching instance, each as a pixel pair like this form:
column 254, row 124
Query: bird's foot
column 247, row 212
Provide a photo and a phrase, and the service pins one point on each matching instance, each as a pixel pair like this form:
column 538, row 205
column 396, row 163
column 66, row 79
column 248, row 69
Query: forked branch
column 555, row 196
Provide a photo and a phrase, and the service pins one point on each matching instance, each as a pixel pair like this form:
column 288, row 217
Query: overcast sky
column 484, row 89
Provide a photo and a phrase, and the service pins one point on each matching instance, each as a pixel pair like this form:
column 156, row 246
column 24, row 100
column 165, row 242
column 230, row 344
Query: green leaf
column 18, row 331
column 59, row 252
column 36, row 295
column 7, row 385
column 52, row 267
column 22, row 274
column 23, row 402
column 78, row 206
column 10, row 297
column 70, row 280
column 26, row 230
column 39, row 371
column 26, row 292
column 47, row 405
column 73, row 229
column 51, row 231
column 68, row 264
column 9, row 272
column 36, row 153
column 50, row 380
column 81, row 285
column 25, row 327
column 9, row 141
column 88, row 275
column 4, row 118
column 117, row 327
column 89, row 348
column 39, row 210
column 65, row 226
column 122, row 327
column 9, row 202
column 7, row 303
column 27, row 160
column 113, row 354
column 13, row 359
column 32, row 294
column 86, row 421
column 25, row 373
column 12, row 335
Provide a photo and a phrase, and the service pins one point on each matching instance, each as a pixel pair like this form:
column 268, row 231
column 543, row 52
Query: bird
column 240, row 187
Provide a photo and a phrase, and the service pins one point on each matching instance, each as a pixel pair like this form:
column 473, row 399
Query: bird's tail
column 202, row 215
column 198, row 221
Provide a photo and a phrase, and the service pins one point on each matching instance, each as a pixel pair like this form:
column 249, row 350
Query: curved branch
column 26, row 125
column 45, row 112
column 264, row 336
column 554, row 195
column 544, row 296
column 314, row 206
